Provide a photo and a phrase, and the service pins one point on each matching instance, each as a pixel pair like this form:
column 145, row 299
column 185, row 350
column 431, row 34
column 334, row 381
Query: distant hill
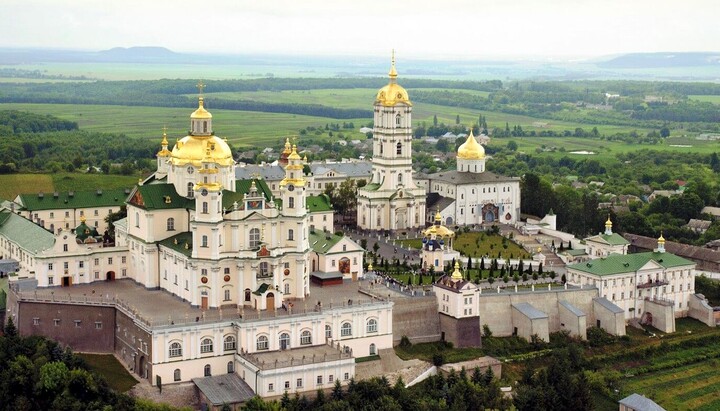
column 662, row 60
column 138, row 55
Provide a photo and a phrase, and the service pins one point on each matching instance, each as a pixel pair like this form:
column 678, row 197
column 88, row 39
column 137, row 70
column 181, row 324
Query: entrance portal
column 110, row 276
column 270, row 302
column 204, row 303
column 66, row 281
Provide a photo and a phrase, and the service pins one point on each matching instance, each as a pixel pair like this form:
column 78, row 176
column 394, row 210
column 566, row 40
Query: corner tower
column 391, row 200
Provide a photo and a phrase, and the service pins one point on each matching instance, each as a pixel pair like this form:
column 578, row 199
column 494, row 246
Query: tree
column 435, row 121
column 457, row 119
column 512, row 146
column 376, row 247
column 10, row 330
column 664, row 132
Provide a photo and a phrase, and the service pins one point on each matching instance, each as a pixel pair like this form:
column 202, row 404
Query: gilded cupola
column 392, row 93
column 471, row 149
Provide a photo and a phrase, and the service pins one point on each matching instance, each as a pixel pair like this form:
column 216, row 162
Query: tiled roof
column 78, row 199
column 683, row 250
column 267, row 172
column 350, row 169
column 24, row 232
column 321, row 241
column 630, row 263
column 457, row 177
column 318, row 203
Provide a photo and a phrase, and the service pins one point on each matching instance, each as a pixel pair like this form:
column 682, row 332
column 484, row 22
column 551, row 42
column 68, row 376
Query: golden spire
column 164, row 141
column 661, row 240
column 438, row 216
column 457, row 275
column 288, row 147
column 305, row 159
column 200, row 87
column 608, row 223
column 82, row 219
column 164, row 152
column 393, row 72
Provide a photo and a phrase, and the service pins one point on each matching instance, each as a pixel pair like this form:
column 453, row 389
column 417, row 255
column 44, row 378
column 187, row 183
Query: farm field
column 709, row 98
column 13, row 184
column 242, row 128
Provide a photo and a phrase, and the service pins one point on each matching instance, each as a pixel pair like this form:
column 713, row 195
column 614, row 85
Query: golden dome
column 196, row 149
column 287, row 149
column 200, row 113
column 608, row 223
column 438, row 231
column 457, row 275
column 393, row 93
column 661, row 240
column 471, row 149
column 164, row 152
column 294, row 154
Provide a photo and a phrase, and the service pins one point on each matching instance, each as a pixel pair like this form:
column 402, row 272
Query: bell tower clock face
column 291, row 187
column 204, row 192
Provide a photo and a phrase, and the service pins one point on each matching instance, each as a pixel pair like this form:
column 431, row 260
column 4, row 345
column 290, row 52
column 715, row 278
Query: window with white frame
column 206, row 345
column 254, row 238
column 346, row 330
column 229, row 343
column 170, row 224
column 306, row 338
column 175, row 350
column 328, row 331
column 262, row 343
column 372, row 325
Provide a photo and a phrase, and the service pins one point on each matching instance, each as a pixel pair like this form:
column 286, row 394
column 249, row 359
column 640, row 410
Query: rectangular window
column 56, row 322
column 66, row 265
column 65, row 247
column 97, row 261
column 109, row 260
column 98, row 325
column 287, row 385
column 36, row 321
column 330, row 378
column 124, row 259
column 319, row 379
column 52, row 215
column 271, row 387
column 51, row 281
column 124, row 272
column 77, row 323
column 347, row 376
column 81, row 264
column 299, row 383
column 50, row 266
column 97, row 275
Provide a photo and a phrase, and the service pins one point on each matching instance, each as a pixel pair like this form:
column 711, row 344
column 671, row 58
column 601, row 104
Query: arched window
column 400, row 179
column 398, row 148
column 381, row 147
column 346, row 330
column 372, row 325
column 204, row 242
column 262, row 343
column 254, row 237
column 229, row 343
column 397, row 121
column 284, row 341
column 247, row 294
column 305, row 338
column 206, row 346
column 227, row 295
column 190, row 192
column 291, row 235
column 231, row 367
column 176, row 375
column 137, row 219
column 208, row 372
column 291, row 202
column 373, row 349
column 175, row 350
column 205, row 207
column 287, row 288
column 171, row 224
column 328, row 331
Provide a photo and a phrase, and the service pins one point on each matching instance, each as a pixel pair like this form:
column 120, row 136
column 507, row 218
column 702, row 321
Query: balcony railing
column 650, row 284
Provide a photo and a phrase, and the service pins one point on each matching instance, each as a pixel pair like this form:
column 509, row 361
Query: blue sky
column 472, row 29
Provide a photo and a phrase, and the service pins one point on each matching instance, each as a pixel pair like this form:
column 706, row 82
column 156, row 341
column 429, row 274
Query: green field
column 709, row 98
column 109, row 368
column 692, row 387
column 13, row 184
column 242, row 128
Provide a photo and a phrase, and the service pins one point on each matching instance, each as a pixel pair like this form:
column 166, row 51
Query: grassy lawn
column 477, row 245
column 13, row 184
column 426, row 351
column 113, row 372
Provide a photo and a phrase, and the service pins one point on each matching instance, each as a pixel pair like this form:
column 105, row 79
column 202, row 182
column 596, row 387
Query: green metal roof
column 24, row 232
column 575, row 252
column 370, row 187
column 78, row 199
column 321, row 241
column 630, row 263
column 612, row 239
column 159, row 197
column 263, row 287
column 318, row 203
column 182, row 239
column 241, row 188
